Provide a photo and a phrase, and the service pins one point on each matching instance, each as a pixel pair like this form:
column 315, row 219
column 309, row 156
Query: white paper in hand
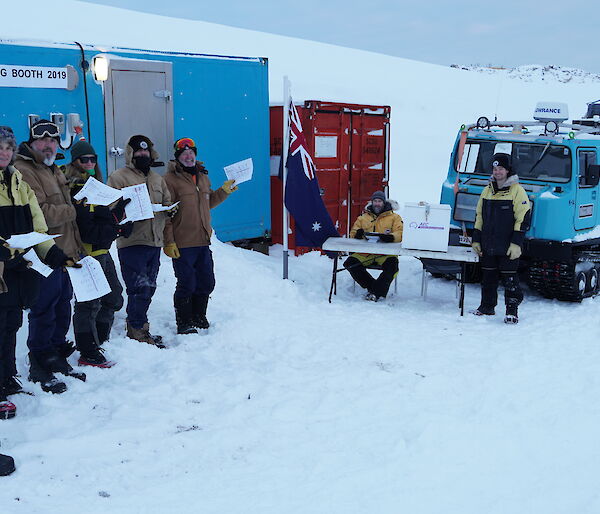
column 156, row 207
column 240, row 171
column 97, row 193
column 36, row 264
column 89, row 281
column 140, row 207
column 22, row 241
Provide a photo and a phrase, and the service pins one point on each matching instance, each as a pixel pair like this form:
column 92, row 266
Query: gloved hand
column 386, row 238
column 56, row 258
column 477, row 248
column 119, row 209
column 514, row 251
column 171, row 212
column 5, row 252
column 125, row 230
column 172, row 251
column 228, row 186
column 360, row 234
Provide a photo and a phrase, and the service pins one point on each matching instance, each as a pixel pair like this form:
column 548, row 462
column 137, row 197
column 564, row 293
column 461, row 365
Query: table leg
column 334, row 276
column 461, row 302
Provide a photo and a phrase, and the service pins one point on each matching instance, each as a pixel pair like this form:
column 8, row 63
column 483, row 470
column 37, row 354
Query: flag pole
column 284, row 154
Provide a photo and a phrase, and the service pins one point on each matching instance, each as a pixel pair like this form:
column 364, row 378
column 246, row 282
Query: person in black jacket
column 99, row 227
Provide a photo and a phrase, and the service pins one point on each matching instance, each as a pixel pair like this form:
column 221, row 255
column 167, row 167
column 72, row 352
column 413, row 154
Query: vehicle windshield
column 538, row 161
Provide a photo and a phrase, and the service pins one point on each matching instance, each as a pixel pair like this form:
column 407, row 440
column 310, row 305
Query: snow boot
column 89, row 353
column 8, row 409
column 484, row 311
column 143, row 335
column 512, row 316
column 7, row 465
column 41, row 374
column 12, row 385
column 371, row 297
column 199, row 306
column 183, row 315
column 103, row 331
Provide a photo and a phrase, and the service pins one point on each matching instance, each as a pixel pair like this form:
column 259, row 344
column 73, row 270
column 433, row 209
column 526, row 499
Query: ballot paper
column 89, row 281
column 97, row 193
column 240, row 171
column 36, row 264
column 22, row 241
column 140, row 207
column 156, row 207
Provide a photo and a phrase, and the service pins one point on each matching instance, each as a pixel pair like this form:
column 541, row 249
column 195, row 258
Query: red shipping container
column 349, row 144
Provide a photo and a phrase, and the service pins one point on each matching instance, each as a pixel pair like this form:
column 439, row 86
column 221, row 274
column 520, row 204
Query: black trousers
column 380, row 286
column 496, row 268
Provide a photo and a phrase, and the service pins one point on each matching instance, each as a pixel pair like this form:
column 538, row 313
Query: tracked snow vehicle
column 557, row 165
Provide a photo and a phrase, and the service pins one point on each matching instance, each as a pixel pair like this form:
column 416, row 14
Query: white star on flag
column 316, row 226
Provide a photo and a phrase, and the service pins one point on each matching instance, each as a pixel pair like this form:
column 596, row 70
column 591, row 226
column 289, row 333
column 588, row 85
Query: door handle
column 116, row 151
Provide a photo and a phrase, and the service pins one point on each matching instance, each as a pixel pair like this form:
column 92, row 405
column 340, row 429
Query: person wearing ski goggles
column 187, row 238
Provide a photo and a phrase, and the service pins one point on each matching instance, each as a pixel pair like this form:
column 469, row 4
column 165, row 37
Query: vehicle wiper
column 540, row 158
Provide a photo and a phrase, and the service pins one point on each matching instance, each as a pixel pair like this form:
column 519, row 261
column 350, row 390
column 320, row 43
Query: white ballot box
column 426, row 226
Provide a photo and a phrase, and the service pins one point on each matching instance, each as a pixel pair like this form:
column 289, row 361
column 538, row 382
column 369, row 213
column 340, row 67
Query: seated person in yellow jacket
column 379, row 217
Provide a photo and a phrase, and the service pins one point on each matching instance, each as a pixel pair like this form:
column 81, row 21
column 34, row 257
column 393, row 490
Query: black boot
column 7, row 465
column 183, row 315
column 12, row 385
column 199, row 306
column 103, row 331
column 90, row 354
column 40, row 373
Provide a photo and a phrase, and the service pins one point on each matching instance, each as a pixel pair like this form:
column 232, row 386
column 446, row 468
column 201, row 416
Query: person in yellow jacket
column 379, row 217
column 502, row 218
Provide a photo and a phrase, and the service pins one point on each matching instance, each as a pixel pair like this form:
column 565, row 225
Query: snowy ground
column 290, row 404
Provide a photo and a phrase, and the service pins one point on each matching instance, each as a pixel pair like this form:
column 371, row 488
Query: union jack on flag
column 302, row 193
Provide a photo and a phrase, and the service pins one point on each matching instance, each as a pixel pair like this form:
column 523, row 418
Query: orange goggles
column 184, row 142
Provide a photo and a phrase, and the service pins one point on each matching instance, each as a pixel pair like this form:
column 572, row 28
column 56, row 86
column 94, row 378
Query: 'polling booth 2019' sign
column 35, row 76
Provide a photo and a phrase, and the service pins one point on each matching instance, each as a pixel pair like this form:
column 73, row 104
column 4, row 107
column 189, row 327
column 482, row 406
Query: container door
column 328, row 138
column 587, row 195
column 138, row 100
column 369, row 159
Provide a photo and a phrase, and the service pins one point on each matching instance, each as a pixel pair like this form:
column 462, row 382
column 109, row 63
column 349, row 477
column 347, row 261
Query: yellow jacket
column 387, row 222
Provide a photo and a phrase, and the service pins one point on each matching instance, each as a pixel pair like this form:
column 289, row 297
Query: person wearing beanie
column 99, row 227
column 139, row 254
column 502, row 217
column 50, row 314
column 187, row 238
column 378, row 217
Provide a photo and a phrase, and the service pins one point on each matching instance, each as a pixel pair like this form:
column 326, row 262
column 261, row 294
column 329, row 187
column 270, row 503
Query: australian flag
column 302, row 194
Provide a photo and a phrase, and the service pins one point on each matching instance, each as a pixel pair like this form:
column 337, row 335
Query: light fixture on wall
column 100, row 67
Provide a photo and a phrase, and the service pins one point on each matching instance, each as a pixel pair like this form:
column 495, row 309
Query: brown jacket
column 191, row 225
column 145, row 232
column 52, row 193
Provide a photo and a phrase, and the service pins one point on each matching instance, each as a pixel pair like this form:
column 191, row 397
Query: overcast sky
column 502, row 33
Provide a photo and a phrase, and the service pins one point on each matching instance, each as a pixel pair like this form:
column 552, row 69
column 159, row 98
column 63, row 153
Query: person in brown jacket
column 187, row 238
column 139, row 254
column 50, row 315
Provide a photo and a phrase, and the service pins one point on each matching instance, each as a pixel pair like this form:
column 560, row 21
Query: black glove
column 171, row 212
column 56, row 258
column 125, row 229
column 386, row 238
column 119, row 209
column 360, row 234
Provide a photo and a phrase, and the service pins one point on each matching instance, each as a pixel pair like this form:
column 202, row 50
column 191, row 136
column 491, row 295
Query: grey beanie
column 81, row 148
column 7, row 136
column 378, row 194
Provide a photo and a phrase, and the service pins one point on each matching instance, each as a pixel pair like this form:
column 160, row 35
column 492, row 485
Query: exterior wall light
column 100, row 67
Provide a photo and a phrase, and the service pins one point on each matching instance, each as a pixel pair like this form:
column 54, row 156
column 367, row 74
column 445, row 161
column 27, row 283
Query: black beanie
column 140, row 142
column 81, row 148
column 504, row 160
column 378, row 194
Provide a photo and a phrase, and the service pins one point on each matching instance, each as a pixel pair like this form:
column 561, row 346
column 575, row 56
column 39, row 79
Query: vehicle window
column 586, row 157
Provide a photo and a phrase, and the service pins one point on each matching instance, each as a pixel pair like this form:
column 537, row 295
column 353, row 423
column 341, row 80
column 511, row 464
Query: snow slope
column 429, row 102
column 290, row 404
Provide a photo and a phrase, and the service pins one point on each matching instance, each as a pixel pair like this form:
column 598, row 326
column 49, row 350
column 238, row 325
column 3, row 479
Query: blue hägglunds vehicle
column 557, row 164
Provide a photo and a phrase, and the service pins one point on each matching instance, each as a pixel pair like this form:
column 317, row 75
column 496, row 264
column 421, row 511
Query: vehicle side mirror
column 592, row 174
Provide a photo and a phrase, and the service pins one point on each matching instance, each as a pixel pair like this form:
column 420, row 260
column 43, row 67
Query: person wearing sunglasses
column 139, row 254
column 50, row 315
column 187, row 238
column 98, row 227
